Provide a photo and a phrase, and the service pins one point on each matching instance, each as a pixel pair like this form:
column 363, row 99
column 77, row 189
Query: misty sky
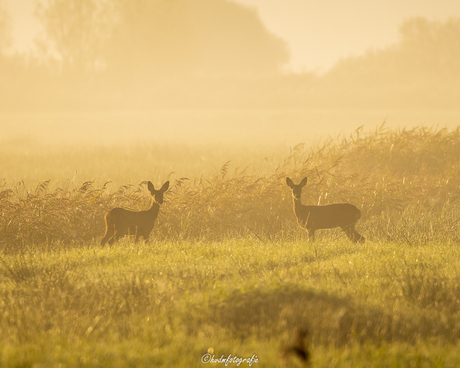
column 318, row 32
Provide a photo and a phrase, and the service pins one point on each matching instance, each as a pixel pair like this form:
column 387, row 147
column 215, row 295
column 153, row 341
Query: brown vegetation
column 405, row 182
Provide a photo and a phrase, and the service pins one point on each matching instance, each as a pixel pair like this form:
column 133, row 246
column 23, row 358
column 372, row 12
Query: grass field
column 228, row 270
column 167, row 304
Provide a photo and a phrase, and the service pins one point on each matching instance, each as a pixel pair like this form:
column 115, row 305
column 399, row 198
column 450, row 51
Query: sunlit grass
column 228, row 268
column 142, row 304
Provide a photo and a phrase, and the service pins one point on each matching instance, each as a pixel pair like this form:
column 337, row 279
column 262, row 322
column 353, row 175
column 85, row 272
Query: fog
column 116, row 98
column 118, row 69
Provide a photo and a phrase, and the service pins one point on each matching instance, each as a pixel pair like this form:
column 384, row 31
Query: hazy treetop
column 158, row 37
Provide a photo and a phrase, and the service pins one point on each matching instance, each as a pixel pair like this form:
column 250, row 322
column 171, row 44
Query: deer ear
column 289, row 183
column 165, row 187
column 303, row 182
column 151, row 187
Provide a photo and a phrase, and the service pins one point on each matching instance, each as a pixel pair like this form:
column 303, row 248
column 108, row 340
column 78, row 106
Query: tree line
column 105, row 54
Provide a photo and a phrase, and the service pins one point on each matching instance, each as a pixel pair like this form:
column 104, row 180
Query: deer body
column 120, row 222
column 312, row 218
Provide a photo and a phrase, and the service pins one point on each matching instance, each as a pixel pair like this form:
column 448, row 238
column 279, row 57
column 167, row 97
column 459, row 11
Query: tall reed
column 406, row 182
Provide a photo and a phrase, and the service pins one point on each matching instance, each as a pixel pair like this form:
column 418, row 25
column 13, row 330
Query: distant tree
column 426, row 51
column 431, row 46
column 159, row 37
column 422, row 69
column 75, row 32
column 155, row 38
column 163, row 52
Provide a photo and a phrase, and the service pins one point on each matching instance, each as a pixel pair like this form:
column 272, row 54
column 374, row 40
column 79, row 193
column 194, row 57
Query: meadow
column 228, row 271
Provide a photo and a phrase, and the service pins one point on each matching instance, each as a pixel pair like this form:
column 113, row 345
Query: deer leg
column 107, row 236
column 104, row 240
column 353, row 235
column 359, row 238
column 349, row 231
column 109, row 233
column 116, row 236
column 356, row 237
column 311, row 234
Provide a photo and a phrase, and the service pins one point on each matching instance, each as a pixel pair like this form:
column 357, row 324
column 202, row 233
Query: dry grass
column 405, row 182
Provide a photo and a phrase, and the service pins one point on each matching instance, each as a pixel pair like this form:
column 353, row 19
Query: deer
column 120, row 222
column 312, row 218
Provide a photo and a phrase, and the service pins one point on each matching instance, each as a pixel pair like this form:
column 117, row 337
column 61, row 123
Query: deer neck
column 154, row 208
column 299, row 208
